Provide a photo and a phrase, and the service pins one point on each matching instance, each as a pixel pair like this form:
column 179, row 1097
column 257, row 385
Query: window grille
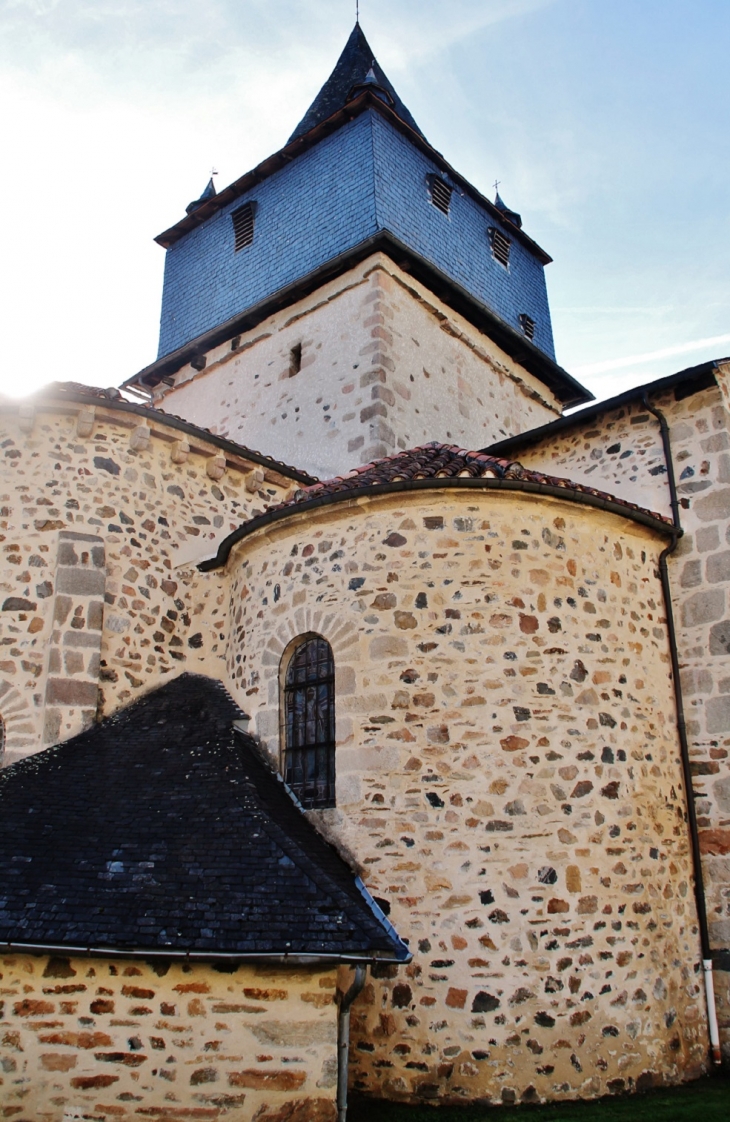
column 527, row 324
column 243, row 225
column 500, row 245
column 309, row 723
column 440, row 193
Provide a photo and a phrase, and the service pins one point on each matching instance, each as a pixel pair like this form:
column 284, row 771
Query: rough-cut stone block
column 179, row 451
column 85, row 421
column 26, row 418
column 80, row 581
column 215, row 467
column 718, row 567
column 718, row 714
column 61, row 691
column 139, row 438
column 714, row 507
column 703, row 607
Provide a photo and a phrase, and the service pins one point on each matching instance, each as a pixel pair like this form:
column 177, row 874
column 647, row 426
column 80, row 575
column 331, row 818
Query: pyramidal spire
column 511, row 215
column 357, row 69
column 208, row 193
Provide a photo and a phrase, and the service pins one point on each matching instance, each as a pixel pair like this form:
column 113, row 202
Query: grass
column 705, row 1100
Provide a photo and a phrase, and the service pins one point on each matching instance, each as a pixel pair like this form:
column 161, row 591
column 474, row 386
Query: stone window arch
column 308, row 720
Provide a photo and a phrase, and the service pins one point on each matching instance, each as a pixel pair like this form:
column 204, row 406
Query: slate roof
column 160, row 829
column 351, row 71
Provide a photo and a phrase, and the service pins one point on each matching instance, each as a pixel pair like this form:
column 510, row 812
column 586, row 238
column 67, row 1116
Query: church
column 365, row 715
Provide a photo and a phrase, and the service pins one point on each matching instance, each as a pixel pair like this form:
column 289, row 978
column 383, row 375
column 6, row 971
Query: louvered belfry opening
column 309, row 723
column 527, row 324
column 500, row 244
column 440, row 193
column 243, row 225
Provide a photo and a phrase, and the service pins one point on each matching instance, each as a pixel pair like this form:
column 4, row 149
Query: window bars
column 309, row 723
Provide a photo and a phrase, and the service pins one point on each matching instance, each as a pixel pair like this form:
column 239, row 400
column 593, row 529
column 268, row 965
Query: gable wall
column 385, row 366
column 100, row 529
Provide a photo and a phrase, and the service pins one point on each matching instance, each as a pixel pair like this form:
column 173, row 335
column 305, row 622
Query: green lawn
column 706, row 1100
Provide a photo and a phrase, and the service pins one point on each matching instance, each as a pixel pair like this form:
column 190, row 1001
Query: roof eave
column 566, row 389
column 274, row 163
column 283, row 958
column 157, row 417
column 703, row 374
column 548, row 490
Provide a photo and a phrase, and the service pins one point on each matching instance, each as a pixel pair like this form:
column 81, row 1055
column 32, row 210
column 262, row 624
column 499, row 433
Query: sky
column 605, row 123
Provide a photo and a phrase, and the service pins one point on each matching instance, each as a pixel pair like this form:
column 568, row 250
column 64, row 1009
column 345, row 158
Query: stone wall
column 100, row 1039
column 621, row 450
column 103, row 513
column 385, row 366
column 508, row 780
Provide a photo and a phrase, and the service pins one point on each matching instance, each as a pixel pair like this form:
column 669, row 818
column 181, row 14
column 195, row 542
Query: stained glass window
column 309, row 723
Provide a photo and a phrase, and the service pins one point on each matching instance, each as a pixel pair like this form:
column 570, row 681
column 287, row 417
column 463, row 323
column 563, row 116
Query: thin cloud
column 598, row 368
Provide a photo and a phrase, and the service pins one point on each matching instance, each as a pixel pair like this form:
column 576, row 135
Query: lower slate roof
column 160, row 829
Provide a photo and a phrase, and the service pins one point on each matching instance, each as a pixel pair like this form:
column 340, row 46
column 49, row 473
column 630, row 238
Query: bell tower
column 354, row 295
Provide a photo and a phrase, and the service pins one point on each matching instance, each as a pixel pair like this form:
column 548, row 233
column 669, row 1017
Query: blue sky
column 606, row 124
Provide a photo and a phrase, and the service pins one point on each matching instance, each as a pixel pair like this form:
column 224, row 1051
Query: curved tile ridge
column 443, row 461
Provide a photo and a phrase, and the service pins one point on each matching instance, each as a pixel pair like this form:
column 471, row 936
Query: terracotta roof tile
column 443, row 461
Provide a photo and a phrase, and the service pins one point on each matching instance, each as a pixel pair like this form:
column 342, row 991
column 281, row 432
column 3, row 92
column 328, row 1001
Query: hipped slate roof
column 356, row 67
column 433, row 465
column 160, row 830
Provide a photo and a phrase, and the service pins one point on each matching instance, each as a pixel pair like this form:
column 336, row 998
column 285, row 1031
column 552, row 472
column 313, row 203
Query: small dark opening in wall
column 198, row 363
column 440, row 194
column 295, row 359
column 243, row 225
column 500, row 244
column 527, row 324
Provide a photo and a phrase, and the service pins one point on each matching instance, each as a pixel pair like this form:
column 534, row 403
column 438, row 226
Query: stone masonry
column 623, row 449
column 102, row 520
column 117, row 1039
column 384, row 365
column 508, row 780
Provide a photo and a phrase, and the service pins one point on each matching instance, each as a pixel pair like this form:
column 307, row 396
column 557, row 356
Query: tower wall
column 508, row 781
column 385, row 365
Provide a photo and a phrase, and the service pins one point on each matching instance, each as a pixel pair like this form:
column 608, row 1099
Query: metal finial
column 357, row 11
column 496, row 185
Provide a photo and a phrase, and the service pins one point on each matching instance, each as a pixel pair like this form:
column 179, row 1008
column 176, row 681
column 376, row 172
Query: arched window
column 309, row 722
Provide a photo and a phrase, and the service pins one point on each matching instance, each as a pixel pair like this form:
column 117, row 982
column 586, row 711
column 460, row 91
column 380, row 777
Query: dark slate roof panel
column 161, row 829
column 352, row 71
